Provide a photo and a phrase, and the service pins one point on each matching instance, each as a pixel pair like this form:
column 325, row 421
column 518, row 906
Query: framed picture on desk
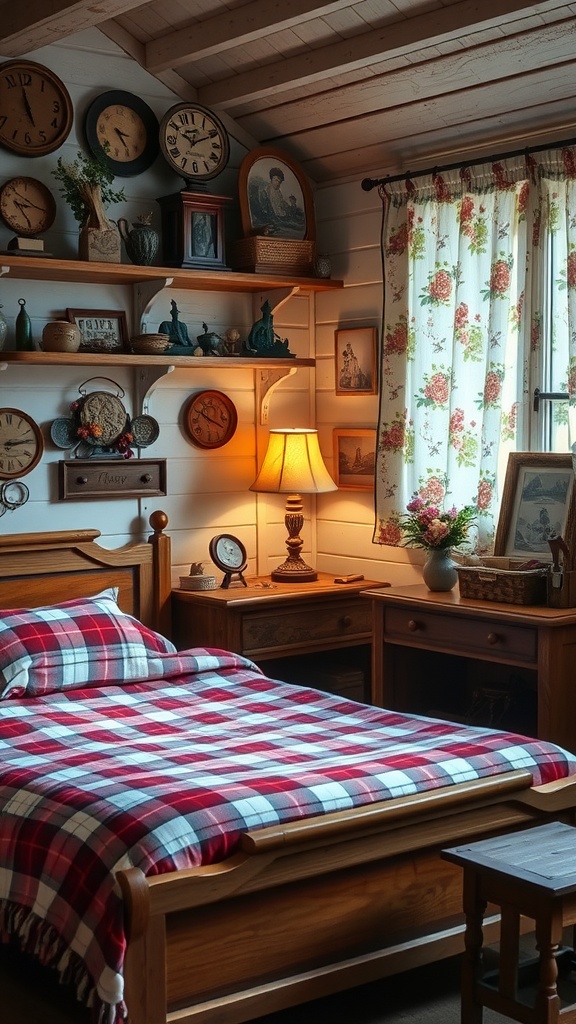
column 538, row 504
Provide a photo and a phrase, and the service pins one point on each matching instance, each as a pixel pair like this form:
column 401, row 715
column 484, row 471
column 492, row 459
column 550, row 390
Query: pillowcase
column 79, row 643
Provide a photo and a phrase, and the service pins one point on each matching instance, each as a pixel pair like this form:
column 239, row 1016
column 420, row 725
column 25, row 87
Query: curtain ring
column 18, row 498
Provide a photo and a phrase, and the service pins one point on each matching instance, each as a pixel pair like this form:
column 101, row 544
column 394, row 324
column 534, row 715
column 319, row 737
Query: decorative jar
column 439, row 572
column 322, row 265
column 61, row 336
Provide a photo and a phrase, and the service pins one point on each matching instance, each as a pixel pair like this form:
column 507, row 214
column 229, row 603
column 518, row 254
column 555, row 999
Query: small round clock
column 194, row 141
column 21, row 443
column 27, row 206
column 36, row 107
column 122, row 130
column 229, row 555
column 210, row 419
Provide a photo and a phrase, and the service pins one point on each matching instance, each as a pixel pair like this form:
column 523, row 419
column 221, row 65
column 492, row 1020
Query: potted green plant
column 86, row 185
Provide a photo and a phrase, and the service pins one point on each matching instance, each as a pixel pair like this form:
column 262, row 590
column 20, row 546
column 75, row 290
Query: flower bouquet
column 425, row 526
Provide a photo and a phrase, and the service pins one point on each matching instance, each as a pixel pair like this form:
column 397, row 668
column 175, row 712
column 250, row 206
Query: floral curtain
column 477, row 262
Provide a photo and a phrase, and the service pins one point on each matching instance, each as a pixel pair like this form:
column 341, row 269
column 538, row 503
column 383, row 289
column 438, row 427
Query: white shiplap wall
column 208, row 492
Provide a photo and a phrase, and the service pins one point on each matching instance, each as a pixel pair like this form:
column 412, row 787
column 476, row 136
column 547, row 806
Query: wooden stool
column 532, row 874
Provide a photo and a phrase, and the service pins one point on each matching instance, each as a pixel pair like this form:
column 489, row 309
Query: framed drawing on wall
column 103, row 330
column 275, row 196
column 538, row 504
column 355, row 361
column 354, row 458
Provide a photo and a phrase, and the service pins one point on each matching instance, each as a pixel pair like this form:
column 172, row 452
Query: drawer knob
column 413, row 626
column 493, row 638
column 346, row 621
column 81, row 479
column 146, row 478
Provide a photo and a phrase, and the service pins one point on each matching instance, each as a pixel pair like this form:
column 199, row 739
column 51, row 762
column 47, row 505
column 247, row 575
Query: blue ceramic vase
column 439, row 572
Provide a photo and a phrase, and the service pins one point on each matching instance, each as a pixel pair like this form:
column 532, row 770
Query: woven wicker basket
column 262, row 254
column 509, row 586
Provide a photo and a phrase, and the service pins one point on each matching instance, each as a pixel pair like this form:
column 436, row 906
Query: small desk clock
column 229, row 554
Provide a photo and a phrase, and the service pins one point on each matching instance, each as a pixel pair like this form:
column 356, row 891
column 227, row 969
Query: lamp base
column 294, row 570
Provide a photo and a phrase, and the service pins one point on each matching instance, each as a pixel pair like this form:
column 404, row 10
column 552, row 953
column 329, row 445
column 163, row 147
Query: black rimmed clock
column 122, row 131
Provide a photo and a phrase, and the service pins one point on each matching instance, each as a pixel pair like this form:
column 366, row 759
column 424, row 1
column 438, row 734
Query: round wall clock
column 21, row 443
column 194, row 141
column 27, row 206
column 210, row 419
column 122, row 130
column 36, row 107
column 228, row 554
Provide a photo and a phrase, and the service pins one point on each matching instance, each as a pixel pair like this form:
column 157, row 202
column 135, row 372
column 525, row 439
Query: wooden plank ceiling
column 349, row 89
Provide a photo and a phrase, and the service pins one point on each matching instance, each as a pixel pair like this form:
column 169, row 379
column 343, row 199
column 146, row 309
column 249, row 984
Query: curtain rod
column 369, row 183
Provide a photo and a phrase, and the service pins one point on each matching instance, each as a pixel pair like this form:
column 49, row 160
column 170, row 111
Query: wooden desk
column 285, row 627
column 433, row 651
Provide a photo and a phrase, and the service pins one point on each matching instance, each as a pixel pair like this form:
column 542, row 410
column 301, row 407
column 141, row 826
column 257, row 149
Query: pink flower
column 437, row 389
column 492, row 387
column 500, row 277
column 440, row 286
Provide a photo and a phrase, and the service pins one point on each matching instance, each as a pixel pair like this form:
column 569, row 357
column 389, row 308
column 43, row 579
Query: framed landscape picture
column 355, row 361
column 538, row 504
column 354, row 458
column 103, row 330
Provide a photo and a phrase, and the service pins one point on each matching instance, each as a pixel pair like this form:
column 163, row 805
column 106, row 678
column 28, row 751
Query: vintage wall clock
column 229, row 555
column 194, row 142
column 21, row 443
column 210, row 419
column 27, row 206
column 37, row 112
column 122, row 130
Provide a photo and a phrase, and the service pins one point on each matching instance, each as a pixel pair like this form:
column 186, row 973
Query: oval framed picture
column 275, row 196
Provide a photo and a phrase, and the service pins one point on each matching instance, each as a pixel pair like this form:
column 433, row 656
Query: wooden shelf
column 128, row 359
column 43, row 268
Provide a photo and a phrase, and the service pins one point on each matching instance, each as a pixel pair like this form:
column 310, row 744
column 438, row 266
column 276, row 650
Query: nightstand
column 316, row 634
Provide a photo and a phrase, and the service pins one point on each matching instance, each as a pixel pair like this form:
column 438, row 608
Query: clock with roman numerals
column 194, row 142
column 21, row 443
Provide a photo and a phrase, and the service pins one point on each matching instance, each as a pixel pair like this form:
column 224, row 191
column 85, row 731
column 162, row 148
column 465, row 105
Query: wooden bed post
column 162, row 573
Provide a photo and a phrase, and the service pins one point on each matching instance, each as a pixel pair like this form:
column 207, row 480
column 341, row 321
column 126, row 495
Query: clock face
column 210, row 419
column 27, row 206
column 194, row 141
column 123, row 131
column 35, row 108
column 21, row 443
column 228, row 553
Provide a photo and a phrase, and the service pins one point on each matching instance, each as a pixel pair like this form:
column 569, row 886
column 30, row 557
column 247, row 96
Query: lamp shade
column 293, row 464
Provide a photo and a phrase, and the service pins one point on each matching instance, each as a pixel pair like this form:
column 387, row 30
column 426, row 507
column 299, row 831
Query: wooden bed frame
column 300, row 911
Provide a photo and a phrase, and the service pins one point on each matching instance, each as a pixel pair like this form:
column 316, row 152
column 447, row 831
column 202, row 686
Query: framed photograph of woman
column 275, row 197
column 355, row 361
column 538, row 505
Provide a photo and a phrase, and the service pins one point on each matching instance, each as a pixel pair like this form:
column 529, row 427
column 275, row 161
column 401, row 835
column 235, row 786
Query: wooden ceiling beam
column 25, row 27
column 233, row 29
column 373, row 47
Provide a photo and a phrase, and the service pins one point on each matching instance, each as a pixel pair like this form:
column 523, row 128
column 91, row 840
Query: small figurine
column 262, row 338
column 175, row 329
column 211, row 343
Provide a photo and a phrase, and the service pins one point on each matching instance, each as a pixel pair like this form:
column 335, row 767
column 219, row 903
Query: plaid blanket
column 167, row 774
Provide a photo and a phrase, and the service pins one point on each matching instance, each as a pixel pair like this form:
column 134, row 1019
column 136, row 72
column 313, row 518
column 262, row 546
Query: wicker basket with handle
column 509, row 586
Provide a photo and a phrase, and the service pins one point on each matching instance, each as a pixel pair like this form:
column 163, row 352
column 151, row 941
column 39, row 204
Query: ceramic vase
column 142, row 242
column 439, row 572
column 322, row 265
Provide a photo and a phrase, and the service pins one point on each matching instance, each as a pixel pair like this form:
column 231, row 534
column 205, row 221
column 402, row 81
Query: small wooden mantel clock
column 193, row 230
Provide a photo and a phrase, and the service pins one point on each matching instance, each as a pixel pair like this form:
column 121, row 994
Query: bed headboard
column 45, row 568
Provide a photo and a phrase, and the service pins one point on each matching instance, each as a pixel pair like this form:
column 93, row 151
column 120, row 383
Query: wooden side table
column 285, row 627
column 426, row 643
column 531, row 873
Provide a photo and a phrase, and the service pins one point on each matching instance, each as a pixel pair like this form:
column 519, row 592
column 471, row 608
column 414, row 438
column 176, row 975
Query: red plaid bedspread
column 167, row 774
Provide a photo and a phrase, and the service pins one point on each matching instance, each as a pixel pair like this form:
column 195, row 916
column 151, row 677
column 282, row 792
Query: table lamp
column 293, row 465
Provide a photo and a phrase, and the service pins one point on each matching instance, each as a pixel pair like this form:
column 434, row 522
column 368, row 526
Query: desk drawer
column 487, row 638
column 306, row 627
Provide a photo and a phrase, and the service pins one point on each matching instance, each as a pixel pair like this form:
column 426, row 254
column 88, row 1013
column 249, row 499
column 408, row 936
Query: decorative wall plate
column 145, row 430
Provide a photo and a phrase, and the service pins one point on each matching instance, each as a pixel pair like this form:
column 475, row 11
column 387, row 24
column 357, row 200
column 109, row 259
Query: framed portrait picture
column 103, row 330
column 275, row 196
column 538, row 504
column 355, row 361
column 354, row 459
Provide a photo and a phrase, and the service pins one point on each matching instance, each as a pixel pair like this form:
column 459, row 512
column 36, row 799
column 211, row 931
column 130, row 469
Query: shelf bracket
column 144, row 294
column 276, row 297
column 266, row 382
column 146, row 379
